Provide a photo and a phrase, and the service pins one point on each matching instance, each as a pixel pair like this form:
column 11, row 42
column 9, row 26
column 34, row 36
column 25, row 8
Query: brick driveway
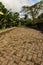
column 21, row 46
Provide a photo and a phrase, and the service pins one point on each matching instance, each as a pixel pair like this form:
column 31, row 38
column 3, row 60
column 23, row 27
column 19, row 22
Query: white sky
column 16, row 5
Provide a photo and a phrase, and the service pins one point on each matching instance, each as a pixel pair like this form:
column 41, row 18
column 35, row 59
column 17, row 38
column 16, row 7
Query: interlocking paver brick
column 21, row 46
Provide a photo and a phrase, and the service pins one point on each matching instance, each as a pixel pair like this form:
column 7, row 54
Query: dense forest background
column 10, row 19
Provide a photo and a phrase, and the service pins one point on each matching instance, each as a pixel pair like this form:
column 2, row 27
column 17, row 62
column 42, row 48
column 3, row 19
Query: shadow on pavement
column 39, row 29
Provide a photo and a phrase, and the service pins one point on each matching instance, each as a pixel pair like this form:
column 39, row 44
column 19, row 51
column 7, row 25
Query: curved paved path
column 21, row 46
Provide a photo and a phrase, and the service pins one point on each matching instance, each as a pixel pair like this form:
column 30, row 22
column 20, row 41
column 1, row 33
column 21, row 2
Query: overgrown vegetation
column 10, row 19
column 36, row 20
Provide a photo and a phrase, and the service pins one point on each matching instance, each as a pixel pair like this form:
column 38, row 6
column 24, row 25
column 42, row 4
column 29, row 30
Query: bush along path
column 21, row 46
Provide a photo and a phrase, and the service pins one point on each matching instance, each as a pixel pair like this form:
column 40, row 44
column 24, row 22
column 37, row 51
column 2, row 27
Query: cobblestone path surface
column 21, row 46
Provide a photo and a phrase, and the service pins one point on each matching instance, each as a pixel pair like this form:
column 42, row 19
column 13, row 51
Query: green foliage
column 33, row 11
column 8, row 19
